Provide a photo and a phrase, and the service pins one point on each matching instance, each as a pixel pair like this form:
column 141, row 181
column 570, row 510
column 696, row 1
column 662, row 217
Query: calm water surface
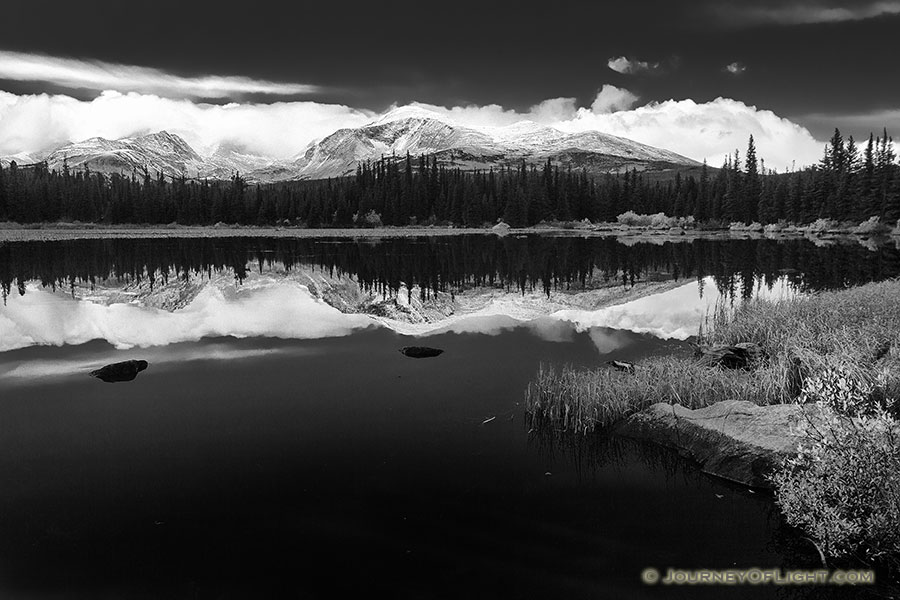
column 330, row 465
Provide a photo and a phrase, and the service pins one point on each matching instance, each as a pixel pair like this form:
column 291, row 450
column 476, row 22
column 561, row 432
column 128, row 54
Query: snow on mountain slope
column 418, row 131
column 339, row 153
column 22, row 158
column 156, row 152
column 408, row 129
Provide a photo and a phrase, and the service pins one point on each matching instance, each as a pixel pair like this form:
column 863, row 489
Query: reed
column 856, row 330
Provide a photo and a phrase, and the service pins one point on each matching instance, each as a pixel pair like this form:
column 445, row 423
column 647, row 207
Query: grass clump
column 580, row 400
column 854, row 331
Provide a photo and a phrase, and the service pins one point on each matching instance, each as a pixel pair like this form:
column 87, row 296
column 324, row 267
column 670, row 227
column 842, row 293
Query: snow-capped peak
column 411, row 111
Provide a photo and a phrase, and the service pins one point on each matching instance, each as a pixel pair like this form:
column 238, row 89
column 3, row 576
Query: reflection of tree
column 451, row 264
column 591, row 453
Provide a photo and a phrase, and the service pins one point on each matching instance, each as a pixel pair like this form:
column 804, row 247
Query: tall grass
column 856, row 331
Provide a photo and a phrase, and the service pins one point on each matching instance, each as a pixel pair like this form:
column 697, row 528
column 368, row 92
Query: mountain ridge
column 405, row 130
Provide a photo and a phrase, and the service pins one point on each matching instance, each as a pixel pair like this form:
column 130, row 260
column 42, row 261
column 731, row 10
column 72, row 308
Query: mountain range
column 409, row 129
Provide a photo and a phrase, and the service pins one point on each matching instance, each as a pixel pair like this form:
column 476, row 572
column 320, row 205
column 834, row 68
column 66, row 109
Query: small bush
column 843, row 486
column 745, row 227
column 871, row 226
column 370, row 219
column 655, row 221
column 821, row 226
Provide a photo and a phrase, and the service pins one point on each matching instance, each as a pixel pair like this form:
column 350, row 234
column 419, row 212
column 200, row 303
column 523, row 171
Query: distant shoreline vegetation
column 850, row 188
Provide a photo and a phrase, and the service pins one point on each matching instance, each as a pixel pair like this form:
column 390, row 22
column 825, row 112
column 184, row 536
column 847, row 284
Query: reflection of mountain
column 403, row 310
column 448, row 265
column 305, row 304
column 150, row 292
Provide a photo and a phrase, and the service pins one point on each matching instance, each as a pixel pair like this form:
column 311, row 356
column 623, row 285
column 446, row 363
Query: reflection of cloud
column 551, row 330
column 282, row 311
column 487, row 324
column 34, row 369
column 285, row 309
column 675, row 314
column 609, row 340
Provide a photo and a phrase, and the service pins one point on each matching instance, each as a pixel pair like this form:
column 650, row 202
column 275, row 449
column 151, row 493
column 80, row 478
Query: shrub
column 843, row 486
column 821, row 225
column 745, row 227
column 370, row 219
column 655, row 221
column 871, row 226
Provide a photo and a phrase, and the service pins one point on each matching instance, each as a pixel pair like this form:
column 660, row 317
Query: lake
column 280, row 446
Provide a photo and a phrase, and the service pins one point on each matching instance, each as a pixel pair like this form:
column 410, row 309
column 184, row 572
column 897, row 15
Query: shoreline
column 13, row 232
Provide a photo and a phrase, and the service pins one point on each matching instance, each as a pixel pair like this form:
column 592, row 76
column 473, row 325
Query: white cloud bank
column 710, row 130
column 31, row 123
column 97, row 75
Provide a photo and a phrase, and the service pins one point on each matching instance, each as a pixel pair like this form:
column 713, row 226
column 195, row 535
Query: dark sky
column 822, row 63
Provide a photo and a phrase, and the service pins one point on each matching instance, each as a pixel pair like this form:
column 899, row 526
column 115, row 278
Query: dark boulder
column 120, row 371
column 739, row 356
column 420, row 351
column 621, row 365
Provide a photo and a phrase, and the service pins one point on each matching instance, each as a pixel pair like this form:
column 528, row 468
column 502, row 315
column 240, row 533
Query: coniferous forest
column 851, row 183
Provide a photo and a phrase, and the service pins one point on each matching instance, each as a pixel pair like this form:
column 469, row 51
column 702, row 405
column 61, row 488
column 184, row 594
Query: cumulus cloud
column 611, row 99
column 31, row 123
column 554, row 109
column 629, row 66
column 735, row 68
column 710, row 130
column 99, row 76
column 803, row 13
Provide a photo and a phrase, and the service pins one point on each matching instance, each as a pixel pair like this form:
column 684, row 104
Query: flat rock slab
column 735, row 439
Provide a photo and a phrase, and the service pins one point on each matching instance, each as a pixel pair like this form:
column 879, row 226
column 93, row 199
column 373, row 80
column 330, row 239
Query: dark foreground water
column 338, row 468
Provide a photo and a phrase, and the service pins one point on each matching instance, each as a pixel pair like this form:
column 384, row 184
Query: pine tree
column 701, row 206
column 3, row 207
column 752, row 188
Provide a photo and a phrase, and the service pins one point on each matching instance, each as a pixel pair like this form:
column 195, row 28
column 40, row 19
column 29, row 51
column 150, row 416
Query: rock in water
column 420, row 351
column 120, row 371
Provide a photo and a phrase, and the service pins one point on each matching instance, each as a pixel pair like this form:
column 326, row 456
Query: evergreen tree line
column 849, row 184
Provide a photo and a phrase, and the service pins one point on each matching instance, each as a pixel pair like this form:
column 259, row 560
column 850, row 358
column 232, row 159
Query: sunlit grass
column 856, row 330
